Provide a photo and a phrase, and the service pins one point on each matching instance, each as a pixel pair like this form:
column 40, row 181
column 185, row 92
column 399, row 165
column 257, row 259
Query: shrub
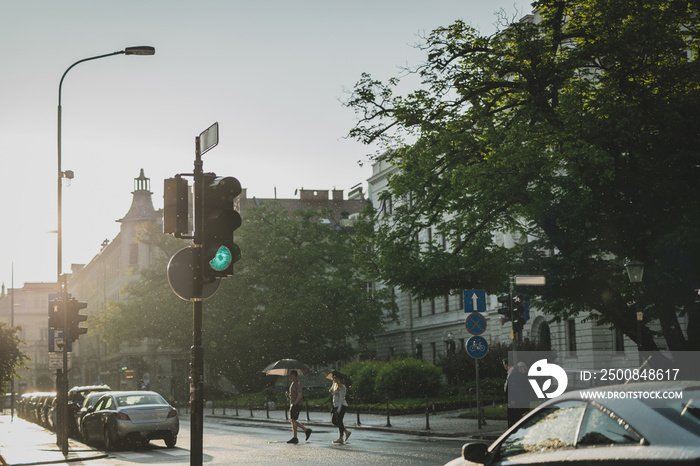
column 363, row 375
column 408, row 378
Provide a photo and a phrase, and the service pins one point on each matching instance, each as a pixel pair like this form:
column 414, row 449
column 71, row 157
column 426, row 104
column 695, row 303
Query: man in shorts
column 295, row 398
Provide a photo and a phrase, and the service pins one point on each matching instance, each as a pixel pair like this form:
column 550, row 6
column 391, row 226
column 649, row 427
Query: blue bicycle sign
column 477, row 347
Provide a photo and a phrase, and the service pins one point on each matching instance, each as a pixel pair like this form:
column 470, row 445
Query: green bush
column 363, row 375
column 408, row 378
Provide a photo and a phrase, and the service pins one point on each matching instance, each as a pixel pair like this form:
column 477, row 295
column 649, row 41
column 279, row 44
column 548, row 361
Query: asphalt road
column 240, row 442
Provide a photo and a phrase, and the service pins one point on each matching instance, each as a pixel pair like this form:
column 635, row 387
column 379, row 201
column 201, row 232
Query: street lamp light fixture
column 635, row 270
column 140, row 50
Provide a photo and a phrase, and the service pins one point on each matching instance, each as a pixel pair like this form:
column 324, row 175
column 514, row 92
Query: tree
column 295, row 293
column 11, row 357
column 578, row 132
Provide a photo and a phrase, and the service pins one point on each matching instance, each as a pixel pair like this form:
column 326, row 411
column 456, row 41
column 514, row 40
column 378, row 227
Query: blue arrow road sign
column 474, row 301
column 475, row 323
column 477, row 347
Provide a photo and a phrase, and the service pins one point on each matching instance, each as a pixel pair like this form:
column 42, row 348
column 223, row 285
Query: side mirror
column 476, row 452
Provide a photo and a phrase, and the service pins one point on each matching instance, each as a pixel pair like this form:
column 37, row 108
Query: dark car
column 139, row 416
column 76, row 396
column 88, row 406
column 634, row 428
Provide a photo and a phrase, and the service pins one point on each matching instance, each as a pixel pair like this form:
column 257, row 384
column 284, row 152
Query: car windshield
column 685, row 411
column 551, row 428
column 146, row 399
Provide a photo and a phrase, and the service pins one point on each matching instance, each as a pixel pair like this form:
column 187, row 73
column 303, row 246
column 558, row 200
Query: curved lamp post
column 141, row 50
column 62, row 378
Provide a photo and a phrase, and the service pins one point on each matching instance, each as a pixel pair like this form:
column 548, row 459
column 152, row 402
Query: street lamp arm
column 60, row 85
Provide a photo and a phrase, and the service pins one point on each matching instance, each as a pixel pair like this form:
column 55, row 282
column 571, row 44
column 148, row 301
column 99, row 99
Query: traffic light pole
column 197, row 356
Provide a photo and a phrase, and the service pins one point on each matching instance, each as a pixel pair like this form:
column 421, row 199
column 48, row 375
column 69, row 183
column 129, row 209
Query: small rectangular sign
column 474, row 301
column 56, row 360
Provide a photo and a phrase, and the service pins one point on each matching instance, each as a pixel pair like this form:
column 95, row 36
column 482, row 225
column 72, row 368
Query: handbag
column 334, row 420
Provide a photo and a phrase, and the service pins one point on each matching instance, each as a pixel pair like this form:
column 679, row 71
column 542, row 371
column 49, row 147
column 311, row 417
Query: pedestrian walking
column 295, row 395
column 338, row 390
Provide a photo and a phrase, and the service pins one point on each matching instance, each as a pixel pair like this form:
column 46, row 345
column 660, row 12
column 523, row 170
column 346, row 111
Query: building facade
column 28, row 308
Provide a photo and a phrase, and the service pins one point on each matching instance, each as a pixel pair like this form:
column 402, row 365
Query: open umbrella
column 334, row 373
column 285, row 366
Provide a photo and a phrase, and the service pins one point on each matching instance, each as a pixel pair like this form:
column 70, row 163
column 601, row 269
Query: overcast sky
column 271, row 73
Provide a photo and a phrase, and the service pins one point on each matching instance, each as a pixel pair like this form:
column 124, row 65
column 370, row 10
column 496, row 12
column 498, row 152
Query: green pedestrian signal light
column 222, row 260
column 220, row 221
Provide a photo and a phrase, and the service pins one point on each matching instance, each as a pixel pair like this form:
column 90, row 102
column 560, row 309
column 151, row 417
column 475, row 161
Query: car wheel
column 110, row 439
column 170, row 440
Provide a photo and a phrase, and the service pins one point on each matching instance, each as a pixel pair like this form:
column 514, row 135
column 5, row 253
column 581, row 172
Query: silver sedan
column 634, row 424
column 137, row 415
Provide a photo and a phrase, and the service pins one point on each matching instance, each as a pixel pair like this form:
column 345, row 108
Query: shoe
column 347, row 435
column 308, row 433
column 338, row 440
column 293, row 440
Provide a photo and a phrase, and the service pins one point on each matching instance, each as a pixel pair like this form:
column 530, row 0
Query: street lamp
column 635, row 272
column 63, row 439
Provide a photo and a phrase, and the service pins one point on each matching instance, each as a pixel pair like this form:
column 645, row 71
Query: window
column 447, row 303
column 549, row 429
column 618, row 340
column 419, row 351
column 432, row 306
column 571, row 335
column 420, row 308
column 433, row 348
column 601, row 426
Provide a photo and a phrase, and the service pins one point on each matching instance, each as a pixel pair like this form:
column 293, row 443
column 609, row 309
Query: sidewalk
column 23, row 442
column 442, row 424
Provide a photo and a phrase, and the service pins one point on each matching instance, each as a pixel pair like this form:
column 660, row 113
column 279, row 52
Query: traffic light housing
column 176, row 207
column 518, row 314
column 504, row 310
column 219, row 252
column 75, row 318
column 56, row 313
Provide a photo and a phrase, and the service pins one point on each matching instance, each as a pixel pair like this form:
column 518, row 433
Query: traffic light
column 56, row 313
column 219, row 252
column 176, row 207
column 518, row 314
column 74, row 319
column 504, row 310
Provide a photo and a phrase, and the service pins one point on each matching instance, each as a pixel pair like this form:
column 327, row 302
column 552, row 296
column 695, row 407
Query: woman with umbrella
column 338, row 391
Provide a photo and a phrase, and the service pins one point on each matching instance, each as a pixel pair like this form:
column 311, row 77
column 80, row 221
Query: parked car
column 140, row 416
column 76, row 396
column 630, row 431
column 88, row 405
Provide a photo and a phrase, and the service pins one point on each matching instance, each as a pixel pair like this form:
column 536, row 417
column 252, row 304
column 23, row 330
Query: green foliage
column 363, row 375
column 408, row 378
column 578, row 133
column 11, row 357
column 373, row 381
column 296, row 293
